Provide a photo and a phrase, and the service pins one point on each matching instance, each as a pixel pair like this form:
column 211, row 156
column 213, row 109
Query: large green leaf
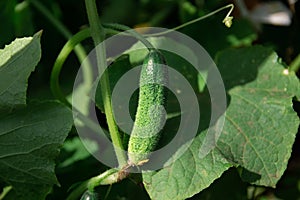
column 260, row 123
column 258, row 133
column 17, row 61
column 30, row 139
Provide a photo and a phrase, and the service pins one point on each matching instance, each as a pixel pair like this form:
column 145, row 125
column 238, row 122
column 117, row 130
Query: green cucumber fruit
column 150, row 116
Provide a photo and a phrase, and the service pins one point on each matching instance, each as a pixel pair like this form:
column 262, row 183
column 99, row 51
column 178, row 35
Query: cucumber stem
column 106, row 178
column 295, row 65
column 98, row 35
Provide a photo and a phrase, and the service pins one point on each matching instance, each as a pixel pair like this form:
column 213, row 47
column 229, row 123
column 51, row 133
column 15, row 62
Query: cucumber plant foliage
column 31, row 134
column 257, row 136
column 259, row 129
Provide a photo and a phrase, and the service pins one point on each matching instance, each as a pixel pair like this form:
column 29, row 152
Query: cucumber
column 88, row 195
column 150, row 116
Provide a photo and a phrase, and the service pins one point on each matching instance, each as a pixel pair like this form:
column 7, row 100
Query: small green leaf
column 17, row 61
column 30, row 139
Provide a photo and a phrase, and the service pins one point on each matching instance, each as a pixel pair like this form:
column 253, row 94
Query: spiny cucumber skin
column 147, row 126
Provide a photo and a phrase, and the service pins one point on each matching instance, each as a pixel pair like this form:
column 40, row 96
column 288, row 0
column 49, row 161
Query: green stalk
column 98, row 35
column 295, row 65
column 106, row 178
